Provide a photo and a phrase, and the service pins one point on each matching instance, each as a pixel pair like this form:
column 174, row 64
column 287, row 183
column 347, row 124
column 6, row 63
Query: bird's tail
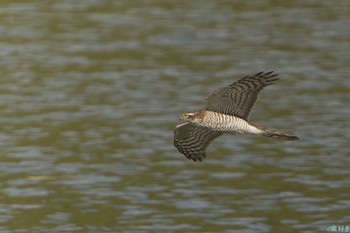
column 279, row 135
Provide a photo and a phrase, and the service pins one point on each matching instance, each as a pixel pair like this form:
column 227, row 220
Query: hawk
column 227, row 111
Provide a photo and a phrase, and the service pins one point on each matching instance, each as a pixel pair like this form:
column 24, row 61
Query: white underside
column 229, row 124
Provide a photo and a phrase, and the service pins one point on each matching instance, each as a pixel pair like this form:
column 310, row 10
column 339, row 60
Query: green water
column 90, row 93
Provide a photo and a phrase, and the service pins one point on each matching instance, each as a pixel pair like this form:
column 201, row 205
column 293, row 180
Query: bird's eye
column 186, row 116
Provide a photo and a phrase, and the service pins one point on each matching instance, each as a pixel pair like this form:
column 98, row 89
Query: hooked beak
column 181, row 118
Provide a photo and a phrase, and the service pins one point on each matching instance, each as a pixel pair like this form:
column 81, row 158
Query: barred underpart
column 228, row 124
column 227, row 111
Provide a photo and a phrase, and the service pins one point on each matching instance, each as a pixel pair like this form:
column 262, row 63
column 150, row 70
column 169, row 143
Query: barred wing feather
column 239, row 98
column 192, row 140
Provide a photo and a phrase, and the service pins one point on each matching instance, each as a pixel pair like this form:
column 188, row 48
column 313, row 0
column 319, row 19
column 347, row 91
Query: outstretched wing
column 192, row 140
column 239, row 98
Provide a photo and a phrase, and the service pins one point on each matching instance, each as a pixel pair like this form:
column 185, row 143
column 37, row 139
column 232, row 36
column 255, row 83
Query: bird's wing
column 239, row 98
column 192, row 140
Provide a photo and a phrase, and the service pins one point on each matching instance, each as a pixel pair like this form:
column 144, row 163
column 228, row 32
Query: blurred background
column 91, row 91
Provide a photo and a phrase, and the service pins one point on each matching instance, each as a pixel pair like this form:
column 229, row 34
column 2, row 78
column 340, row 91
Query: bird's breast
column 225, row 123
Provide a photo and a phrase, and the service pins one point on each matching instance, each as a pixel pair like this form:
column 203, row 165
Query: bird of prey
column 227, row 111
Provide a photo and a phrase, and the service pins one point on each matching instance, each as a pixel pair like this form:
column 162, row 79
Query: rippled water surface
column 90, row 93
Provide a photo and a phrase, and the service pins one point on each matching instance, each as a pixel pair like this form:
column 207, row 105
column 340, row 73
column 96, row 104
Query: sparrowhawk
column 227, row 111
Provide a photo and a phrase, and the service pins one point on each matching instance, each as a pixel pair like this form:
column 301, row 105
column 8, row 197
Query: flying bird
column 227, row 111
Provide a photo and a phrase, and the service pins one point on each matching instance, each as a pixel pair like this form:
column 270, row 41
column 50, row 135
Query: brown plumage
column 227, row 111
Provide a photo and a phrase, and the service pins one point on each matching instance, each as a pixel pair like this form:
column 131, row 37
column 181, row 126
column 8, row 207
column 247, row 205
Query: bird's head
column 190, row 116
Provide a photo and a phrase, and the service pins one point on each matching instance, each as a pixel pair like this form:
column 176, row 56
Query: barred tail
column 279, row 135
